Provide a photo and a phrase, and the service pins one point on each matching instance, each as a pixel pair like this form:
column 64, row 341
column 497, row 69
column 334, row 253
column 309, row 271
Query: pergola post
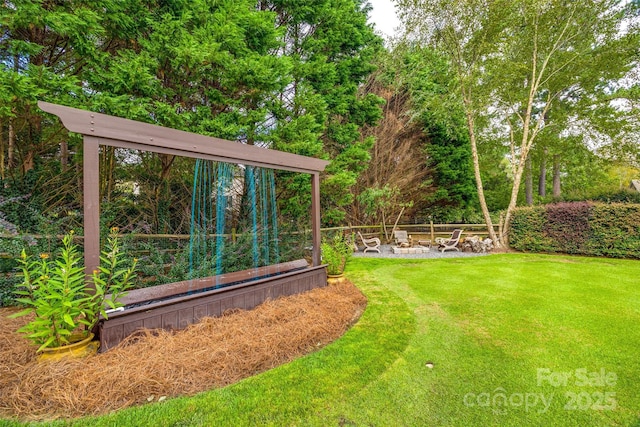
column 91, row 180
column 315, row 218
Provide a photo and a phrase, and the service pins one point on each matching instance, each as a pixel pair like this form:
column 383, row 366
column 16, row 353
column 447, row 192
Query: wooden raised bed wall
column 177, row 305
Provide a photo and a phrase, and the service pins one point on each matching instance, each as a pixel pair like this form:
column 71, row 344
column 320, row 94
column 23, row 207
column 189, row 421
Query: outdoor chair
column 452, row 242
column 370, row 244
column 401, row 239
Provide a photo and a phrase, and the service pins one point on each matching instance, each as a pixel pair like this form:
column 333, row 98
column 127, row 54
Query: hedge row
column 587, row 228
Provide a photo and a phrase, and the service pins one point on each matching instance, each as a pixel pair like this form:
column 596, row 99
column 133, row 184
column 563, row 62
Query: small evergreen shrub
column 335, row 253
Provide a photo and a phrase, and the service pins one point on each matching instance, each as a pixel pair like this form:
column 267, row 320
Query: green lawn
column 514, row 339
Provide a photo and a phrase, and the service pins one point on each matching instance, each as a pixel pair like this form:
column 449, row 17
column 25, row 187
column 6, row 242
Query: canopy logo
column 499, row 400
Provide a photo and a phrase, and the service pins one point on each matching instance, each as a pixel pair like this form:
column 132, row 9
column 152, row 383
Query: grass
column 501, row 332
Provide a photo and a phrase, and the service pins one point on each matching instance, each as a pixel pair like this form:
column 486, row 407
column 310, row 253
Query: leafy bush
column 624, row 195
column 527, row 230
column 598, row 229
column 10, row 249
column 615, row 231
column 8, row 283
column 567, row 224
column 335, row 253
column 61, row 298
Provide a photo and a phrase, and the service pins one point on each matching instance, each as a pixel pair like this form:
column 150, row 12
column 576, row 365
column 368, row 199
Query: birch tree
column 516, row 61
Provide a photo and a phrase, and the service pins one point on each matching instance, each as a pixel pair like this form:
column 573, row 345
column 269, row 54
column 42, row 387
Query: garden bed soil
column 153, row 364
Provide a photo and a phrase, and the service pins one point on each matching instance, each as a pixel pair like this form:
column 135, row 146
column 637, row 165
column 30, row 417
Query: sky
column 384, row 16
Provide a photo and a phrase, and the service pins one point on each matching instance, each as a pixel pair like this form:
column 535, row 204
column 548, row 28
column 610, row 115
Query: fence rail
column 163, row 251
column 425, row 231
column 383, row 231
column 377, row 230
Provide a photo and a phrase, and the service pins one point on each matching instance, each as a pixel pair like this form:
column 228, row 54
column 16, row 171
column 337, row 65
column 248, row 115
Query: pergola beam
column 147, row 137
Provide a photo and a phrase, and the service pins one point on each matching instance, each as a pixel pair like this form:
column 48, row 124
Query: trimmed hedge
column 586, row 228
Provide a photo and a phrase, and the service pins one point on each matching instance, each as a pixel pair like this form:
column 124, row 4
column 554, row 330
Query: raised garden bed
column 177, row 305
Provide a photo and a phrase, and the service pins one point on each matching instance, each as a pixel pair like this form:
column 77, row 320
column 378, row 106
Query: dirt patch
column 153, row 364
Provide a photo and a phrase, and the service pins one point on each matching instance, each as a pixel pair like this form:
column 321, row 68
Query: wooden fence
column 173, row 244
column 429, row 231
column 384, row 232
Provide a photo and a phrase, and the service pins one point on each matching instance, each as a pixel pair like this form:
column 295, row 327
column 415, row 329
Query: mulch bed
column 153, row 364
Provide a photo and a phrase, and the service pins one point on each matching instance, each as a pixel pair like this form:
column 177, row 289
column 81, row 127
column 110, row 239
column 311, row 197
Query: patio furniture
column 370, row 244
column 426, row 243
column 401, row 239
column 452, row 242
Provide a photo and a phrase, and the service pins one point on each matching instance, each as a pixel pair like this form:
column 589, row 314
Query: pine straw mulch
column 210, row 354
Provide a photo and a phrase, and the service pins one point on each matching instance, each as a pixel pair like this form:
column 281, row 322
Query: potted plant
column 335, row 253
column 67, row 305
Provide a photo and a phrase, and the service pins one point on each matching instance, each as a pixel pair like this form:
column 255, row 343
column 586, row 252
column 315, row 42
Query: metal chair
column 370, row 244
column 452, row 242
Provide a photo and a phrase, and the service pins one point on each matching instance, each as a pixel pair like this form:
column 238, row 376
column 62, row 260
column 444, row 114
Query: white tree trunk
column 479, row 186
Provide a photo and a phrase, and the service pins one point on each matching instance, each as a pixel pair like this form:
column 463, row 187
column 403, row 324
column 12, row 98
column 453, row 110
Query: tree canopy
column 271, row 73
column 503, row 90
column 422, row 159
column 527, row 68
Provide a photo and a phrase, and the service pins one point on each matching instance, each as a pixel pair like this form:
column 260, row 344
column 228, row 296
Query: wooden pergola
column 101, row 129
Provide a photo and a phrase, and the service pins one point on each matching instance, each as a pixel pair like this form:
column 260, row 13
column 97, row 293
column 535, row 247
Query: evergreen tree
column 278, row 74
column 421, row 159
column 332, row 49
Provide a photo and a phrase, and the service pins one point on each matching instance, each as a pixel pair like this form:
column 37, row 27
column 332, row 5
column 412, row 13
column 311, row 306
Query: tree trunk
column 64, row 155
column 556, row 176
column 476, row 170
column 525, row 146
column 166, row 161
column 28, row 161
column 107, row 167
column 2, row 171
column 517, row 179
column 34, row 123
column 12, row 146
column 528, row 182
column 542, row 180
